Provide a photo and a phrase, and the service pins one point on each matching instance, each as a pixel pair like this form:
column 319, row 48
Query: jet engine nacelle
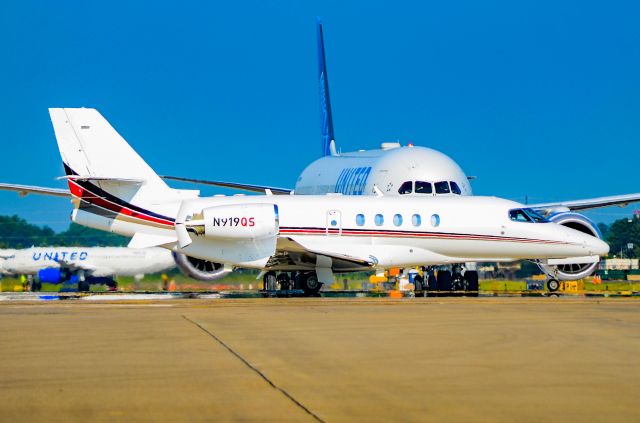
column 199, row 269
column 242, row 234
column 52, row 275
column 241, row 221
column 571, row 272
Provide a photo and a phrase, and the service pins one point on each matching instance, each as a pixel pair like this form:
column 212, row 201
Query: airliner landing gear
column 284, row 281
column 269, row 281
column 553, row 285
column 456, row 281
column 308, row 282
column 83, row 285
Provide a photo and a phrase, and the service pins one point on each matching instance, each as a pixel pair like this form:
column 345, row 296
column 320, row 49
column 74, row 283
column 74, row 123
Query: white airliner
column 87, row 264
column 306, row 238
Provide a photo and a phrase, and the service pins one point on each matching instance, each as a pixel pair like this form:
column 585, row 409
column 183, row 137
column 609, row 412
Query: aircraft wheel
column 471, row 276
column 444, row 280
column 418, row 282
column 309, row 284
column 553, row 285
column 269, row 281
column 83, row 286
column 284, row 281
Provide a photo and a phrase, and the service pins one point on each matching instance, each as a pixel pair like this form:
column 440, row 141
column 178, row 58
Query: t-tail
column 114, row 189
column 328, row 139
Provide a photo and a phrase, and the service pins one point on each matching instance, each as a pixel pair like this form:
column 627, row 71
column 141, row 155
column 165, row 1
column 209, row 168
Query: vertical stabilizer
column 112, row 182
column 328, row 139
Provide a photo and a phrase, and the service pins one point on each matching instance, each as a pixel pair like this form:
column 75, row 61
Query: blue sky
column 535, row 98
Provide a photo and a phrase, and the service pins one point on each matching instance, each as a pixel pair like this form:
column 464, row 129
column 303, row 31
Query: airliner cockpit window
column 518, row 215
column 535, row 216
column 455, row 188
column 424, row 187
column 442, row 187
column 406, row 188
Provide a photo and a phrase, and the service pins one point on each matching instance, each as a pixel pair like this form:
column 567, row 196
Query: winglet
column 328, row 139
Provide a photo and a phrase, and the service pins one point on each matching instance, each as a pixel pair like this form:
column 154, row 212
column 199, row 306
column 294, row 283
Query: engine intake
column 202, row 270
column 572, row 272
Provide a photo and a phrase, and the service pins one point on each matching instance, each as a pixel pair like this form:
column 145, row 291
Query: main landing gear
column 454, row 282
column 286, row 282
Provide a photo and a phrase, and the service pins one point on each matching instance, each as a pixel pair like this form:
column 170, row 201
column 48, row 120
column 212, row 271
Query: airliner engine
column 572, row 272
column 243, row 233
column 199, row 269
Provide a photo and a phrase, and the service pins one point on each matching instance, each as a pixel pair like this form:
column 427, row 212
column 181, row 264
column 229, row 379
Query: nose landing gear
column 553, row 285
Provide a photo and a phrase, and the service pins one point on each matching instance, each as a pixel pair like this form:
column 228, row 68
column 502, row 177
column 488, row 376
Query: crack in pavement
column 256, row 370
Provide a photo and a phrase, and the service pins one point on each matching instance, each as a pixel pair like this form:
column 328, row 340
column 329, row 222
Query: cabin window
column 435, row 220
column 455, row 188
column 360, row 219
column 424, row 187
column 442, row 187
column 406, row 188
column 416, row 220
column 379, row 220
column 397, row 220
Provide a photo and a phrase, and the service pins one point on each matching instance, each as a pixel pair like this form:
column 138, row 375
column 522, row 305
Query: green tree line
column 15, row 232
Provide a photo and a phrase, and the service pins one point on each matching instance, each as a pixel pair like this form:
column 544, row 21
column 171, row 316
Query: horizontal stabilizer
column 143, row 240
column 102, row 179
column 30, row 189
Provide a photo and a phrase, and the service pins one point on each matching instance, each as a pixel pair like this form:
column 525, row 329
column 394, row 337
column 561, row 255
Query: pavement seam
column 255, row 369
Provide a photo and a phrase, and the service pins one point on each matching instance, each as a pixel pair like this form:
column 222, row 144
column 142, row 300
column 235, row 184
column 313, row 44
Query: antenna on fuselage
column 328, row 139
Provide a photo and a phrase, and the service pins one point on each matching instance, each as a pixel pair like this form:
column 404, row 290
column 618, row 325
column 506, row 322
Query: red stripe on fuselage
column 81, row 193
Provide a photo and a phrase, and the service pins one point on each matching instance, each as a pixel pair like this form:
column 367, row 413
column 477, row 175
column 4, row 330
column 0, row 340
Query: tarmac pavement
column 322, row 359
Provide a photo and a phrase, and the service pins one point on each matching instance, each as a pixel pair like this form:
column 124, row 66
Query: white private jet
column 304, row 238
column 84, row 265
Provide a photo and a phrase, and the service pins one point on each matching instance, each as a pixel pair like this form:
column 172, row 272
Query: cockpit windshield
column 526, row 215
column 406, row 188
column 535, row 216
column 423, row 187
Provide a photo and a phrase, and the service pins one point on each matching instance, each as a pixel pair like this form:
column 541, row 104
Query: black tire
column 444, row 281
column 284, row 281
column 471, row 276
column 83, row 286
column 269, row 281
column 553, row 285
column 418, row 283
column 309, row 284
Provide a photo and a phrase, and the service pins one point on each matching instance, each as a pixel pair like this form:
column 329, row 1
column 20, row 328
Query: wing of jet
column 30, row 189
column 295, row 253
column 75, row 266
column 245, row 187
column 589, row 203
